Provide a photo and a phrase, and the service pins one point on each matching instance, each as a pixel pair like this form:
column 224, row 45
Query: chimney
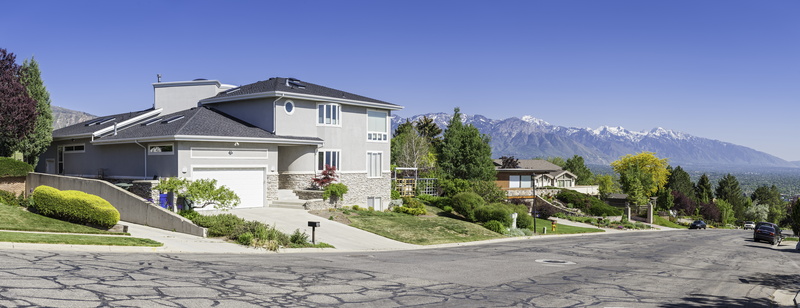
column 181, row 95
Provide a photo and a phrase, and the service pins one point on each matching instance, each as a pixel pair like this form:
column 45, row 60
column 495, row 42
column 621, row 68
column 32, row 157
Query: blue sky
column 726, row 70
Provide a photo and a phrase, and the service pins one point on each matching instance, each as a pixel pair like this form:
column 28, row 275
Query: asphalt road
column 687, row 268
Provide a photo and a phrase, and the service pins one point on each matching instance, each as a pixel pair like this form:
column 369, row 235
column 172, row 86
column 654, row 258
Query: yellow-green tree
column 641, row 175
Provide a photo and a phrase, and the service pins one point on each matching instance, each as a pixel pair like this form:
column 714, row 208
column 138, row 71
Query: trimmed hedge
column 10, row 167
column 74, row 206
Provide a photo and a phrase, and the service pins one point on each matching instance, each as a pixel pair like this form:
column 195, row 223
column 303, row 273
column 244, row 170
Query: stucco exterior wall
column 258, row 112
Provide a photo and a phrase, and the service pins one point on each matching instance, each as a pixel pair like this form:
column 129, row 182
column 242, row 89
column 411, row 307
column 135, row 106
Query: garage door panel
column 247, row 183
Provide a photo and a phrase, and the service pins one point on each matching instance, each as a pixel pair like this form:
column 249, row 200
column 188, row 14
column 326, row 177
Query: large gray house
column 256, row 139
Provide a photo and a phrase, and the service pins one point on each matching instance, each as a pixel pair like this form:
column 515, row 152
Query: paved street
column 689, row 268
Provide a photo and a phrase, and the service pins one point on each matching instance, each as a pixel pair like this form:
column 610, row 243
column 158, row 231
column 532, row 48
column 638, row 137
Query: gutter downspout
column 145, row 158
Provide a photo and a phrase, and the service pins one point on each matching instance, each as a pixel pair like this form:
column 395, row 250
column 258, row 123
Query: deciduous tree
column 17, row 108
column 642, row 171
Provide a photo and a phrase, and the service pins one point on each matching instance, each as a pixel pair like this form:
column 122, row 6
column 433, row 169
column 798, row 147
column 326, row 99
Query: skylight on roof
column 172, row 119
column 151, row 122
column 100, row 121
column 232, row 90
column 295, row 83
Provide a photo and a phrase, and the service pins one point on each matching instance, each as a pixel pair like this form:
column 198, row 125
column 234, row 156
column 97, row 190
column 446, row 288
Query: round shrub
column 74, row 206
column 494, row 211
column 447, row 209
column 465, row 204
column 495, row 226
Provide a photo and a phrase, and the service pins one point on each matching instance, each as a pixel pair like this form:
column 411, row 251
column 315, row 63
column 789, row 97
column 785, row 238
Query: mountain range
column 528, row 137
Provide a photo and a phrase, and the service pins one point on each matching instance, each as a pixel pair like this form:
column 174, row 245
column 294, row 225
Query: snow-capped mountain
column 529, row 137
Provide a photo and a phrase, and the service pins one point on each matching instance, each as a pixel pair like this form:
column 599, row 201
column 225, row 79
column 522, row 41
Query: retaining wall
column 131, row 207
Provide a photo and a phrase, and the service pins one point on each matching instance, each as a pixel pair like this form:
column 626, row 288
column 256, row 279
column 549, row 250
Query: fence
column 411, row 187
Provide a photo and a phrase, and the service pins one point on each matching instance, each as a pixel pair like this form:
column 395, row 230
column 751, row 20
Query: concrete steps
column 288, row 199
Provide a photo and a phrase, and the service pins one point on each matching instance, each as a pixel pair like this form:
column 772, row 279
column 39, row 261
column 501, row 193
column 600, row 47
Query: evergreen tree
column 679, row 180
column 428, row 129
column 665, row 199
column 17, row 108
column 794, row 216
column 703, row 190
column 728, row 189
column 465, row 152
column 579, row 169
column 35, row 143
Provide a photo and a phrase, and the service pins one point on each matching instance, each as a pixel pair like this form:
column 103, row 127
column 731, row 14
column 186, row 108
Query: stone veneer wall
column 359, row 187
column 144, row 189
column 272, row 186
column 295, row 181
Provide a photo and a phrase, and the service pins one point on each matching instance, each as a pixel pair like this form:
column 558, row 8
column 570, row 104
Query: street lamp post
column 533, row 201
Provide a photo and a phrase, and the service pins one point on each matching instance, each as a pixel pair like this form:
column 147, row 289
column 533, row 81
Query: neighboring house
column 256, row 139
column 518, row 182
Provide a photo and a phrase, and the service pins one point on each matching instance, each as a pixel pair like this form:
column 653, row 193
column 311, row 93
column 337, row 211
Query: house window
column 377, row 127
column 329, row 114
column 374, row 160
column 328, row 158
column 519, row 181
column 160, row 149
column 374, row 203
column 74, row 148
column 288, row 107
column 564, row 183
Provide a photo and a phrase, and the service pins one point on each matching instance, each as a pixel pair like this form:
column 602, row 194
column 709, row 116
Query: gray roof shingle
column 198, row 121
column 280, row 84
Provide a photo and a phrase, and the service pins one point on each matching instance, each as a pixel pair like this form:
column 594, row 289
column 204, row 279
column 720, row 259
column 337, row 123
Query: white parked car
column 749, row 225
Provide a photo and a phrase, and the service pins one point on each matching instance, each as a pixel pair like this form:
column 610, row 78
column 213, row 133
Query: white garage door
column 247, row 183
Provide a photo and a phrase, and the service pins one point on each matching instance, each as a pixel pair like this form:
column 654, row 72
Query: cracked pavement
column 691, row 268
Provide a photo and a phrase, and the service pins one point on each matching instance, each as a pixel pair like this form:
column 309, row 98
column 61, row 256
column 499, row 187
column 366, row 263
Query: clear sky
column 725, row 70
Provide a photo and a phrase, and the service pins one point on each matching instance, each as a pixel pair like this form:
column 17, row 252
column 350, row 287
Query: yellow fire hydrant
column 553, row 226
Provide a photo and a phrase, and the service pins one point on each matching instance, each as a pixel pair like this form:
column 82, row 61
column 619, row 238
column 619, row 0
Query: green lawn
column 562, row 229
column 75, row 239
column 441, row 229
column 658, row 220
column 17, row 219
column 427, row 230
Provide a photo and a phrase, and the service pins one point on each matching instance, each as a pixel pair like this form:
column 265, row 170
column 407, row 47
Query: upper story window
column 377, row 125
column 329, row 114
column 288, row 107
column 160, row 149
column 74, row 148
column 519, row 181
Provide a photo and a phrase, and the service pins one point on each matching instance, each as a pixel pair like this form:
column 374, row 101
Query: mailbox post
column 313, row 225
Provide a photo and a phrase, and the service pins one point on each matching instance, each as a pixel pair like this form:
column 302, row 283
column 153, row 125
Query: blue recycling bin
column 162, row 200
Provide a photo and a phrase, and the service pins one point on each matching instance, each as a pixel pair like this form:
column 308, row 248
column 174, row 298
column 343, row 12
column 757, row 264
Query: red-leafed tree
column 17, row 108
